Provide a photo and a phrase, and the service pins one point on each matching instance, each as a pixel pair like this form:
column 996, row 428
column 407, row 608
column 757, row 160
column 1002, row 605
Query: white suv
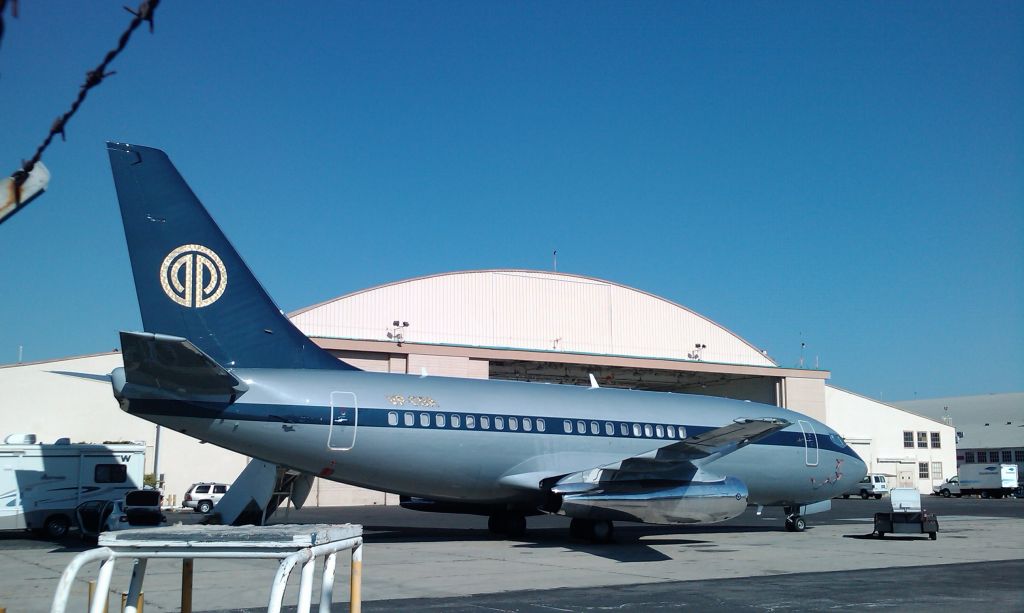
column 872, row 485
column 202, row 496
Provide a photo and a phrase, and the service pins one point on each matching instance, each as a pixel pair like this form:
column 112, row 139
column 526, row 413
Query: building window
column 110, row 473
column 1007, row 456
column 936, row 441
column 937, row 469
column 1018, row 456
column 922, row 470
column 922, row 440
column 993, row 456
column 969, row 457
column 908, row 439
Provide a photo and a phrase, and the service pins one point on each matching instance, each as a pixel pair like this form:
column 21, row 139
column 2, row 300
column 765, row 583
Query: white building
column 500, row 324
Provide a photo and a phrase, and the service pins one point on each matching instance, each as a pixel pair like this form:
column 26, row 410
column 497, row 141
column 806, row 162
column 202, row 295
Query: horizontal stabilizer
column 175, row 366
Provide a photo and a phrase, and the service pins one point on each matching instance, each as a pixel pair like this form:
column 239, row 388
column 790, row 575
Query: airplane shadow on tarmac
column 626, row 545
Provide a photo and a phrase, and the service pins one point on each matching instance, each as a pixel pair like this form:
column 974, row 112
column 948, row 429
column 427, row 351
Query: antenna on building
column 803, row 346
column 20, row 349
column 946, row 417
column 554, row 259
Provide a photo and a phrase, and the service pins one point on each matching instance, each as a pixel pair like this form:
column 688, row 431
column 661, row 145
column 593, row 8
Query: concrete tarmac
column 450, row 562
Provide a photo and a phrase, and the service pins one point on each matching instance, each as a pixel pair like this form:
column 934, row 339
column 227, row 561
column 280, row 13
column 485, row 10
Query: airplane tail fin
column 190, row 281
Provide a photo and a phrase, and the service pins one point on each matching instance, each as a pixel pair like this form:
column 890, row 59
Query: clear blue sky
column 849, row 175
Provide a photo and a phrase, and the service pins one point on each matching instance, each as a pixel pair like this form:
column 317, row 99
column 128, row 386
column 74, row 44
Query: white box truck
column 986, row 480
column 42, row 485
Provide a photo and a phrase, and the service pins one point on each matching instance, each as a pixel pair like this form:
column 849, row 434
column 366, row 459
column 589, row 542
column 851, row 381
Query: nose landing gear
column 593, row 530
column 794, row 521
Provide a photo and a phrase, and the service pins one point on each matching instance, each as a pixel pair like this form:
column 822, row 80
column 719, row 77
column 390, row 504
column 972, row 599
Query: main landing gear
column 794, row 521
column 512, row 525
column 593, row 530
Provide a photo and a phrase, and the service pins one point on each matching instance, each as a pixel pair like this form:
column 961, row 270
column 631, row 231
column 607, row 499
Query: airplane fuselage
column 488, row 442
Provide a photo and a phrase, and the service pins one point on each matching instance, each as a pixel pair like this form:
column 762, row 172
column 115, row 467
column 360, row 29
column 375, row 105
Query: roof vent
column 20, row 439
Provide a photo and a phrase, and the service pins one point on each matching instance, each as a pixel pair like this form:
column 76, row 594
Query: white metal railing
column 291, row 544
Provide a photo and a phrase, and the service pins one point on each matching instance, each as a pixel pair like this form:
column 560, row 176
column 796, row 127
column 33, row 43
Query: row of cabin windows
column 638, row 430
column 455, row 420
column 922, row 440
column 1005, row 456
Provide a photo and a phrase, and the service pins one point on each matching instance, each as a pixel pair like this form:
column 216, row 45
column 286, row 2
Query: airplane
column 219, row 361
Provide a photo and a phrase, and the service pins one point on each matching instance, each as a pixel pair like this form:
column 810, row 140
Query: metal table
column 289, row 543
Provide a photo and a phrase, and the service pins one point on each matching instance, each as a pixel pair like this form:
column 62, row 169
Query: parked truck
column 986, row 480
column 42, row 485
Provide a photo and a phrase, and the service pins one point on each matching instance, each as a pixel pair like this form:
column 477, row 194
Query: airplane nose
column 858, row 468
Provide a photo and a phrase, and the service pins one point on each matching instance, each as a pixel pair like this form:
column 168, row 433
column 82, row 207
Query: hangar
column 526, row 325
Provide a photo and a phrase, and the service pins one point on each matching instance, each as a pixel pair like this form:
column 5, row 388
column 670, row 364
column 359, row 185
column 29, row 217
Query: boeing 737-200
column 220, row 362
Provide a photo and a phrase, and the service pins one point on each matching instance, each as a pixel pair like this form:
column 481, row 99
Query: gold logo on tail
column 193, row 276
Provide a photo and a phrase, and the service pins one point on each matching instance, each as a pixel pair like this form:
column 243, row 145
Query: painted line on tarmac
column 941, row 517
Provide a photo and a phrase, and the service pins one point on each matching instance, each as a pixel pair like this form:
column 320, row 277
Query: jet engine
column 656, row 502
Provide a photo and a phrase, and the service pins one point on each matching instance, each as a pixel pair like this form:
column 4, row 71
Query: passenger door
column 341, row 435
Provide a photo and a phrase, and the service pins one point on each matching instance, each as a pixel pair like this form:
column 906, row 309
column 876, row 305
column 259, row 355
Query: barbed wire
column 92, row 79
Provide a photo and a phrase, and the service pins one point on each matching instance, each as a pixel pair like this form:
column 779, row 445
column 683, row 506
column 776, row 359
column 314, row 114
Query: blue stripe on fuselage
column 378, row 418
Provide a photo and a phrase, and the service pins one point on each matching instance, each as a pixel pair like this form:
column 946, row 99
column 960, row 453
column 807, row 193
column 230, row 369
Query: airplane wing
column 684, row 460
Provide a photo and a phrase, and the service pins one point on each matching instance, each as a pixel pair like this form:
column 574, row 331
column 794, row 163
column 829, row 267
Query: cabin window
column 425, row 420
column 485, row 422
column 594, row 428
column 456, row 421
column 670, row 431
column 540, row 425
column 409, row 419
column 624, row 429
column 499, row 423
column 392, row 418
column 439, row 420
column 682, row 432
column 567, row 425
column 513, row 423
column 636, row 430
column 908, row 439
column 609, row 429
column 110, row 473
column 527, row 424
column 936, row 441
column 581, row 427
column 648, row 430
column 470, row 422
column 660, row 431
column 922, row 440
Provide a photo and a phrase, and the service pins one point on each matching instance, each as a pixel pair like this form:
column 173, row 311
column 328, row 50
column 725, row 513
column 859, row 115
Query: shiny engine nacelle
column 659, row 502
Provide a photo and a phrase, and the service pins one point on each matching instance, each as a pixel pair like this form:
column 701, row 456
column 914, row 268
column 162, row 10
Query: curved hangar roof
column 528, row 309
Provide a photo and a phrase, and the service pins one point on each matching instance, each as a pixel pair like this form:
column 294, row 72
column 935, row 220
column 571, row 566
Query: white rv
column 41, row 485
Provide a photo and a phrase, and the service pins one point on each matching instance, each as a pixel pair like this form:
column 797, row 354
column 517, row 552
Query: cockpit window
column 838, row 440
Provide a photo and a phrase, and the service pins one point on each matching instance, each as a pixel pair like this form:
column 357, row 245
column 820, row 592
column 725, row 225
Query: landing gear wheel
column 796, row 523
column 57, row 527
column 593, row 530
column 204, row 507
column 508, row 524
